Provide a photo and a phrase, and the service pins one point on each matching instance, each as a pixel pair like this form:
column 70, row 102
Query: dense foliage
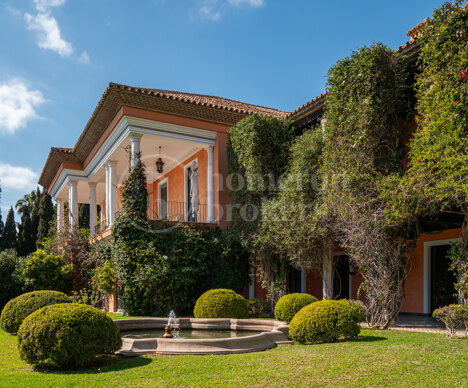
column 366, row 99
column 257, row 307
column 438, row 155
column 16, row 310
column 221, row 303
column 67, row 335
column 10, row 283
column 293, row 224
column 326, row 321
column 45, row 271
column 289, row 305
column 169, row 268
column 258, row 150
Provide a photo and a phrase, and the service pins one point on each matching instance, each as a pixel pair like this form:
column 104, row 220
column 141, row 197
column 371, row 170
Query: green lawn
column 376, row 358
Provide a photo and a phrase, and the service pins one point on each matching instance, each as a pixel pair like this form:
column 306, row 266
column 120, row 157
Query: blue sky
column 57, row 57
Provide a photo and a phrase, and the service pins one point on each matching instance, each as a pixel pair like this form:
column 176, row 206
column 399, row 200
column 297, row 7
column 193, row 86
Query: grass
column 375, row 358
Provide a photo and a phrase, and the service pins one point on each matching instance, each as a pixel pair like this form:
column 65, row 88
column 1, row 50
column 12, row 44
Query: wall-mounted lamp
column 159, row 163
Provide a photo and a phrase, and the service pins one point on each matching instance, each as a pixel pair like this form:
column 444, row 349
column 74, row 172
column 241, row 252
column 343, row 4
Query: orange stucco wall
column 176, row 182
column 414, row 286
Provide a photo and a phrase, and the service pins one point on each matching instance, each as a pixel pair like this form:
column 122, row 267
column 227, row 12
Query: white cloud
column 45, row 5
column 17, row 105
column 209, row 10
column 84, row 58
column 17, row 178
column 49, row 35
column 252, row 3
column 214, row 9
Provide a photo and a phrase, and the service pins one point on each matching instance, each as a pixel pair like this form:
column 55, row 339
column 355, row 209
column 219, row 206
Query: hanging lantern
column 159, row 163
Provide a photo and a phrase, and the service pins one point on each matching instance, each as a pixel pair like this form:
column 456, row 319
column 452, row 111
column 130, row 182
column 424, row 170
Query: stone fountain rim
column 271, row 333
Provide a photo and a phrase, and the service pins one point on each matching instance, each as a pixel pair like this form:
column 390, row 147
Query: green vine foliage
column 158, row 270
column 258, row 151
column 293, row 225
column 438, row 156
column 367, row 98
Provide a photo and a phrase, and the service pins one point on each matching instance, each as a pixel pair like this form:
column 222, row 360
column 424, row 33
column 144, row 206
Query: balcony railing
column 177, row 211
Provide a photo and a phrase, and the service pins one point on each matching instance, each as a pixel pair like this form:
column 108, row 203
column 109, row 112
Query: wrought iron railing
column 177, row 211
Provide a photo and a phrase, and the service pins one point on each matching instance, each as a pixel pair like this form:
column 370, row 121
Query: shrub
column 45, row 271
column 10, row 284
column 453, row 316
column 257, row 307
column 16, row 310
column 326, row 321
column 166, row 271
column 289, row 305
column 67, row 335
column 221, row 303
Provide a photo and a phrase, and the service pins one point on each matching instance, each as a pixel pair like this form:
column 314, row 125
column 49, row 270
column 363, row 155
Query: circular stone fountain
column 223, row 336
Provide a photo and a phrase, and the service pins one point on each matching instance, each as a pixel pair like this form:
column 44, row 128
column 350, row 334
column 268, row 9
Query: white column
column 73, row 204
column 252, row 282
column 59, row 214
column 112, row 165
column 210, row 185
column 327, row 276
column 103, row 211
column 107, row 194
column 303, row 280
column 92, row 208
column 135, row 148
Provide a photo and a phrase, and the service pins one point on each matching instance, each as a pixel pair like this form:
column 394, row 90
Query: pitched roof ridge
column 169, row 94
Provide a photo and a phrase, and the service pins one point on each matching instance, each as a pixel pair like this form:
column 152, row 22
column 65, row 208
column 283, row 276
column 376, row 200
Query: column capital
column 135, row 136
column 111, row 163
column 72, row 183
column 92, row 184
column 57, row 200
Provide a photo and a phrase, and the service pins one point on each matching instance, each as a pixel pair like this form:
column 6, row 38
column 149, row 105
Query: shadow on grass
column 366, row 338
column 103, row 364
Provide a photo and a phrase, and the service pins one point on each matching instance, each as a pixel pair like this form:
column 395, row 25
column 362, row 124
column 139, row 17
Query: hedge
column 221, row 303
column 289, row 305
column 16, row 310
column 326, row 321
column 66, row 335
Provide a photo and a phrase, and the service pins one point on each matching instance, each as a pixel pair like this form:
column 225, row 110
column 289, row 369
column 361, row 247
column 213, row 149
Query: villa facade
column 182, row 139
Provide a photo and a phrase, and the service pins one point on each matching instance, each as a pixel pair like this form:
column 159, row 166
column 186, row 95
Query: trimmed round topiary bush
column 221, row 303
column 67, row 335
column 17, row 309
column 326, row 321
column 289, row 305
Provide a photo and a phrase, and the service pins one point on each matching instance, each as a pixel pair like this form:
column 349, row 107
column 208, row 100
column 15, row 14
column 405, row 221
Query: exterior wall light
column 159, row 163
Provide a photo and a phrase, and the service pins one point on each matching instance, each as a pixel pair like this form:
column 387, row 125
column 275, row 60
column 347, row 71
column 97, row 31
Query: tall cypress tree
column 35, row 214
column 26, row 244
column 46, row 215
column 9, row 239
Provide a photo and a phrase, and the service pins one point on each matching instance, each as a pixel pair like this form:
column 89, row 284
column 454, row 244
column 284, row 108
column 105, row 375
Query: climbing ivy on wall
column 438, row 156
column 366, row 99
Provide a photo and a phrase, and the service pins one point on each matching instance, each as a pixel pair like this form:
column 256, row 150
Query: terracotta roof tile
column 199, row 106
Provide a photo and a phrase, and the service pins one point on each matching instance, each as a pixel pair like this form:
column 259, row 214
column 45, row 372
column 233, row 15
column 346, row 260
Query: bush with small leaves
column 326, row 321
column 289, row 305
column 257, row 307
column 221, row 303
column 67, row 335
column 452, row 316
column 16, row 310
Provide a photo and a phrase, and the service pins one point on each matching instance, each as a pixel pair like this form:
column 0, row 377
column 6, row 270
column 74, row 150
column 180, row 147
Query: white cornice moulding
column 133, row 125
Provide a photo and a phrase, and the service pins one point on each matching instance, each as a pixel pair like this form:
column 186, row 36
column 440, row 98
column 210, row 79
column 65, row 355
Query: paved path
column 420, row 323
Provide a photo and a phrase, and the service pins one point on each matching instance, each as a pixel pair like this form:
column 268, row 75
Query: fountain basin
column 264, row 335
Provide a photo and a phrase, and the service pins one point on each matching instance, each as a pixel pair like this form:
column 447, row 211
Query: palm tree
column 27, row 201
